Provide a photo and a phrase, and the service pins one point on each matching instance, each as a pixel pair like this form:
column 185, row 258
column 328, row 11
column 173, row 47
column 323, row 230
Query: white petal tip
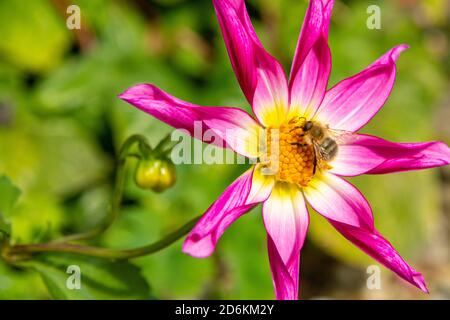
column 197, row 249
column 395, row 53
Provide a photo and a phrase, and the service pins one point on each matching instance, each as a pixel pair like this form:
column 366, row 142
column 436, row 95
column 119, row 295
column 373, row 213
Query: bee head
column 314, row 130
column 308, row 126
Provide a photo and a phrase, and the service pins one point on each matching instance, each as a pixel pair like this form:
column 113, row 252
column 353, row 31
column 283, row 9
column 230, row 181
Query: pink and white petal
column 360, row 154
column 315, row 24
column 235, row 128
column 310, row 83
column 260, row 76
column 242, row 195
column 348, row 211
column 339, row 200
column 373, row 244
column 354, row 101
column 410, row 156
column 285, row 280
column 262, row 185
column 240, row 41
column 286, row 221
column 353, row 157
column 271, row 99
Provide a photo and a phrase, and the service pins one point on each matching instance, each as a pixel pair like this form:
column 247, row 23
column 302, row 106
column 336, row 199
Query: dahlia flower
column 305, row 170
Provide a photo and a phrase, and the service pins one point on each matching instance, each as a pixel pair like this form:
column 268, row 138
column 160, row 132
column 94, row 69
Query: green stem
column 119, row 184
column 24, row 250
column 162, row 147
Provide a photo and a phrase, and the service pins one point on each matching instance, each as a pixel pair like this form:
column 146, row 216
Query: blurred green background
column 61, row 125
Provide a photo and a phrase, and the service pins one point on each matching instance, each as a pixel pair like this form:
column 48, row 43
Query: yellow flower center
column 290, row 154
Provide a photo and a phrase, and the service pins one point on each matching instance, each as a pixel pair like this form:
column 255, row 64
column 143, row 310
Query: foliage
column 99, row 279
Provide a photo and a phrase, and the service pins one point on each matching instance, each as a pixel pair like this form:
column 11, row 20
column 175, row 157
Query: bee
column 323, row 140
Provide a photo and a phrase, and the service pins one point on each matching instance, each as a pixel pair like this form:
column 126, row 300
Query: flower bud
column 155, row 174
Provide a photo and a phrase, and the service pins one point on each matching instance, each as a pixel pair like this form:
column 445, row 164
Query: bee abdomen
column 328, row 149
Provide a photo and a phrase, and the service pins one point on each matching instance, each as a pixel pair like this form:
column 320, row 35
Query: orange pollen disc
column 290, row 154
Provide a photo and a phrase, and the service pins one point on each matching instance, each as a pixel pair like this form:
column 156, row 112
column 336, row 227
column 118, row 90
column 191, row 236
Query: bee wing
column 340, row 136
column 317, row 148
column 317, row 155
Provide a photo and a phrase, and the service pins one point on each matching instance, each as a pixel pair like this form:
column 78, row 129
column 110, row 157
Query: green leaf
column 9, row 194
column 5, row 228
column 35, row 37
column 19, row 284
column 38, row 218
column 99, row 279
column 52, row 156
column 8, row 197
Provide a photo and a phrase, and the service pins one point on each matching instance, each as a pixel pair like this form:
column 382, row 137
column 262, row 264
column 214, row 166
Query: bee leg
column 298, row 144
column 315, row 164
column 297, row 119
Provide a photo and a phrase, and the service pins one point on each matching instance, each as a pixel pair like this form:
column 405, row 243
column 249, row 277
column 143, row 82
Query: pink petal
column 271, row 99
column 373, row 244
column 354, row 157
column 368, row 154
column 286, row 220
column 310, row 83
column 315, row 24
column 312, row 61
column 354, row 101
column 235, row 127
column 261, row 77
column 339, row 200
column 242, row 195
column 348, row 211
column 327, row 10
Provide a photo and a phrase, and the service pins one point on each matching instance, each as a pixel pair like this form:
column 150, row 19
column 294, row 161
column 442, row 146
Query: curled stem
column 11, row 252
column 119, row 184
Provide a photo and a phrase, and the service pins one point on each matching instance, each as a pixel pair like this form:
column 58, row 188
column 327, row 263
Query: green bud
column 155, row 174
